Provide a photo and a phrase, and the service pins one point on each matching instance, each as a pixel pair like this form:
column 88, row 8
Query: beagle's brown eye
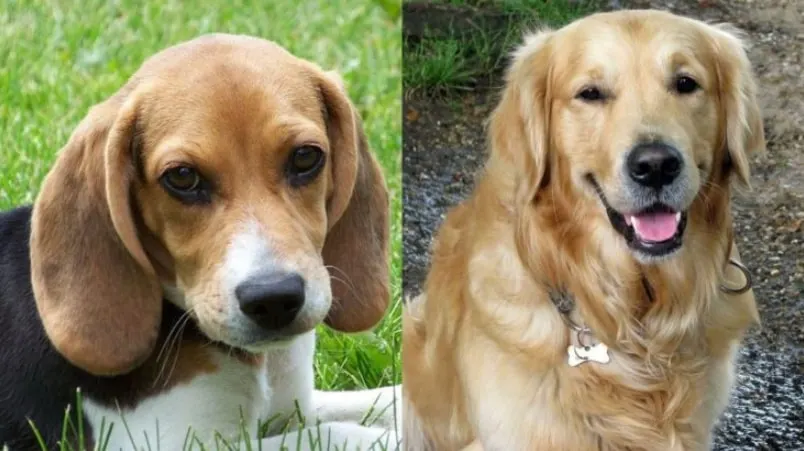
column 304, row 164
column 182, row 178
column 185, row 184
column 686, row 85
column 591, row 94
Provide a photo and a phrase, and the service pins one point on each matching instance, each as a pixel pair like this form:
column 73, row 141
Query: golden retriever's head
column 638, row 113
column 229, row 177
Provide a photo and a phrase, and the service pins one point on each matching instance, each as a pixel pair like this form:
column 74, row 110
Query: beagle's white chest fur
column 240, row 397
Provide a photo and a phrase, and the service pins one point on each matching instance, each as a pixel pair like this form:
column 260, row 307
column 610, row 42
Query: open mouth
column 656, row 231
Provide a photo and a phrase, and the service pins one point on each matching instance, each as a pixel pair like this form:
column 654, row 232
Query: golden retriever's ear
column 518, row 129
column 96, row 292
column 356, row 247
column 744, row 131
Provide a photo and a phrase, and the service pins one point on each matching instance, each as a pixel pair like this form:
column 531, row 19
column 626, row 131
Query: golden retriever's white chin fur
column 650, row 259
column 485, row 347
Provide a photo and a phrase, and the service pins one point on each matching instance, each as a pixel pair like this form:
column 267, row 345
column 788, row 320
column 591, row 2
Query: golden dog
column 588, row 295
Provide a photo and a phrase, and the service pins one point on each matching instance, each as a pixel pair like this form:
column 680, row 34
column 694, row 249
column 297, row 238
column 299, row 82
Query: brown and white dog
column 588, row 295
column 196, row 228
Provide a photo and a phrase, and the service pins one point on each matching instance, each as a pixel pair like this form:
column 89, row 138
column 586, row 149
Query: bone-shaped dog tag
column 580, row 354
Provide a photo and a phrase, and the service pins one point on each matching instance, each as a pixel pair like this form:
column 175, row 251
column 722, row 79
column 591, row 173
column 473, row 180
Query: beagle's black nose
column 271, row 301
column 654, row 165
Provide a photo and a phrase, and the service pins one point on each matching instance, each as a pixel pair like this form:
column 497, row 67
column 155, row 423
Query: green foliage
column 474, row 47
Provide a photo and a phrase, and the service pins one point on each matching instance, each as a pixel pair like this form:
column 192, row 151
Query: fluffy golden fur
column 108, row 239
column 485, row 349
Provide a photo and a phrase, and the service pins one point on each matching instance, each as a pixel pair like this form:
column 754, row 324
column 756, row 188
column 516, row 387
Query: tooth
column 678, row 216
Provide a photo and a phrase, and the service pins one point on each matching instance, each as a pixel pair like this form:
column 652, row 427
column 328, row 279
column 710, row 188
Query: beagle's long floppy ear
column 744, row 131
column 356, row 247
column 518, row 129
column 95, row 289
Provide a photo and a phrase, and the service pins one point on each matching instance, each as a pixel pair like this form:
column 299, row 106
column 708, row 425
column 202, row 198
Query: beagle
column 195, row 229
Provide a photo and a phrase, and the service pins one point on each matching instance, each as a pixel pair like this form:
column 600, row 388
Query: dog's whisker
column 174, row 337
column 338, row 279
column 163, row 348
column 162, row 361
column 179, row 336
column 174, row 330
column 347, row 281
column 340, row 271
column 166, row 344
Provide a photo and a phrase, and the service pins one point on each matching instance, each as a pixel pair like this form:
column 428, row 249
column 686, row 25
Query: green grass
column 471, row 51
column 550, row 12
column 315, row 439
column 443, row 65
column 61, row 57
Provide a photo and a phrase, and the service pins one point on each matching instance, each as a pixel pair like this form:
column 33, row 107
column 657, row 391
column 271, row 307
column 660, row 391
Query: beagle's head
column 229, row 178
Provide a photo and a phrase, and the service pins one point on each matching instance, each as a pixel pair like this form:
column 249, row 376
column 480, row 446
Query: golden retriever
column 604, row 208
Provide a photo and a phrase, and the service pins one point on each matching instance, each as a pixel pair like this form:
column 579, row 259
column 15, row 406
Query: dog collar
column 748, row 281
column 584, row 348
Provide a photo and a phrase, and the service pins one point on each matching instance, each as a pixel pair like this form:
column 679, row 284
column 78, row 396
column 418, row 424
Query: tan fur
column 106, row 235
column 484, row 348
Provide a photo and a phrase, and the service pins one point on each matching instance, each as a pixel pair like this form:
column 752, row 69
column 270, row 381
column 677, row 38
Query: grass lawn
column 61, row 57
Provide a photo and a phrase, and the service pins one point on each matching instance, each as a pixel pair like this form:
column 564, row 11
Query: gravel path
column 444, row 147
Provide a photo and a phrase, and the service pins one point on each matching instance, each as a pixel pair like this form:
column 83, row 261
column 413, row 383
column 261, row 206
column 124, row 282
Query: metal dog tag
column 580, row 354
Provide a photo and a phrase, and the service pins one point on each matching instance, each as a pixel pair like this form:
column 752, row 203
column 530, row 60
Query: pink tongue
column 654, row 227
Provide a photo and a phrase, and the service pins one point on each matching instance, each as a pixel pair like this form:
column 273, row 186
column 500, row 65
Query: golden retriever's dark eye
column 686, row 85
column 591, row 94
column 304, row 164
column 185, row 184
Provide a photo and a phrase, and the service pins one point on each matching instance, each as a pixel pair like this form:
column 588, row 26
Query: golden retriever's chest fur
column 516, row 389
column 494, row 348
column 535, row 400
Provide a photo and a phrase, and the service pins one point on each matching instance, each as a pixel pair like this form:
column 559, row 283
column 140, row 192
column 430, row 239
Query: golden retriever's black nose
column 271, row 301
column 654, row 165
